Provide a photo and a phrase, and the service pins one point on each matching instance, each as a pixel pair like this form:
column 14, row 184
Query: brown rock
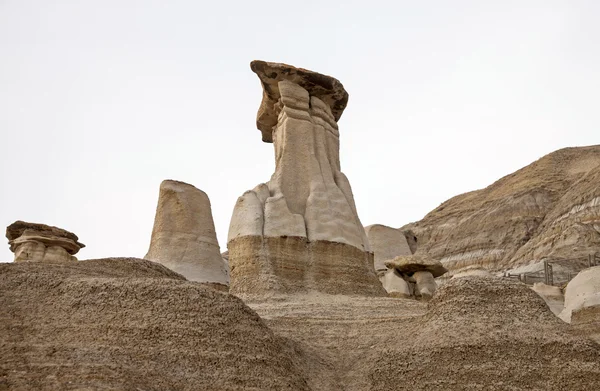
column 131, row 324
column 269, row 266
column 326, row 88
column 36, row 242
column 419, row 262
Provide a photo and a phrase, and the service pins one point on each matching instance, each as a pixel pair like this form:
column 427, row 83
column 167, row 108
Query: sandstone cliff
column 548, row 209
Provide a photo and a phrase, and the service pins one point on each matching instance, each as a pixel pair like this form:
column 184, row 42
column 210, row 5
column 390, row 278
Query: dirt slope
column 487, row 333
column 129, row 324
column 521, row 218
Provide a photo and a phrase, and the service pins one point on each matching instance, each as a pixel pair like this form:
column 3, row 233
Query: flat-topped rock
column 326, row 88
column 416, row 263
column 35, row 242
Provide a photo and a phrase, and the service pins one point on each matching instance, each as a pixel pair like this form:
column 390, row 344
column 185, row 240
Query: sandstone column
column 184, row 238
column 300, row 231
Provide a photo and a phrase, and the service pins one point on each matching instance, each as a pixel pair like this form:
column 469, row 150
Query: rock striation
column 33, row 242
column 300, row 230
column 184, row 238
column 547, row 210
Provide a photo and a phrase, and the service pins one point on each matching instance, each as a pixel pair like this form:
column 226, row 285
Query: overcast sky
column 102, row 100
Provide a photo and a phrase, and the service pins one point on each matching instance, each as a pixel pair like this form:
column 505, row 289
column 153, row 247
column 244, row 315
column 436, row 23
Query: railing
column 546, row 275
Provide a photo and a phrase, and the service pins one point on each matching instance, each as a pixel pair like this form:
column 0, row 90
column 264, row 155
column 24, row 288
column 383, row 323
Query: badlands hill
column 548, row 209
column 130, row 324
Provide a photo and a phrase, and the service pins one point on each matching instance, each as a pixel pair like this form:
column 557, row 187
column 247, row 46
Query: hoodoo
column 184, row 238
column 33, row 242
column 300, row 231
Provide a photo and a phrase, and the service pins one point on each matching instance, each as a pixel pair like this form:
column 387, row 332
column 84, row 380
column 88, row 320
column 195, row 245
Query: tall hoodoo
column 184, row 238
column 300, row 230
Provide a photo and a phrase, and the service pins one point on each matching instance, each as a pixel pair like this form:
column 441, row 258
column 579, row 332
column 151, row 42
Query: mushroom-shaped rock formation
column 420, row 267
column 581, row 292
column 300, row 231
column 327, row 89
column 33, row 242
column 184, row 238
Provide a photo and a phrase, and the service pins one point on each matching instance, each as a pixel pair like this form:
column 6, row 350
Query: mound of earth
column 486, row 333
column 548, row 209
column 131, row 324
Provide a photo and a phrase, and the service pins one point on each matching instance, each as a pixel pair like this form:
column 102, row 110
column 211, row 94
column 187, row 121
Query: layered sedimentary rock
column 184, row 238
column 300, row 230
column 547, row 210
column 33, row 242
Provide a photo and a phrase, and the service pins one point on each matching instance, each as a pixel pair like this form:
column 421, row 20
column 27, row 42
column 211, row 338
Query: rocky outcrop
column 547, row 210
column 386, row 244
column 307, row 199
column 184, row 238
column 581, row 292
column 33, row 242
column 418, row 270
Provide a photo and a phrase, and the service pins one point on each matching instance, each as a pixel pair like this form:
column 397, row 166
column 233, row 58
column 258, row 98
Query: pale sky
column 102, row 100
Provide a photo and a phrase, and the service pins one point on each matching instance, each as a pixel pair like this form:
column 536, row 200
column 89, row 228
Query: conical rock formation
column 183, row 237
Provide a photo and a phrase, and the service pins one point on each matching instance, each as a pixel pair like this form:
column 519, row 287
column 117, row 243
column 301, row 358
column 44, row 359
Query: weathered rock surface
column 271, row 266
column 485, row 333
column 308, row 197
column 418, row 269
column 131, row 324
column 33, row 242
column 581, row 292
column 386, row 244
column 549, row 209
column 184, row 238
column 326, row 88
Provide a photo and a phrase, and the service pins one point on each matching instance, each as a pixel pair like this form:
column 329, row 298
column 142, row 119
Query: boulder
column 386, row 244
column 33, row 242
column 184, row 238
column 307, row 208
column 581, row 292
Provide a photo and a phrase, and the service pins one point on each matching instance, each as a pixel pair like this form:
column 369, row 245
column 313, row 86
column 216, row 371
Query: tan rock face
column 583, row 291
column 549, row 209
column 33, row 242
column 268, row 266
column 308, row 197
column 325, row 88
column 386, row 244
column 183, row 237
